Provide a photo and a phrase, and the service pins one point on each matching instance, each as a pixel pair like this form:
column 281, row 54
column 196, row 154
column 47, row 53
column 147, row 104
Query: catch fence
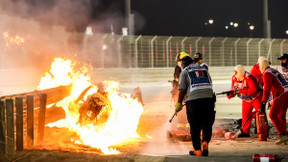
column 160, row 51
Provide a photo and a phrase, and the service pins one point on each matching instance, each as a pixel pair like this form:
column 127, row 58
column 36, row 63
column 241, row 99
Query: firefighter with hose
column 275, row 83
column 195, row 82
column 246, row 87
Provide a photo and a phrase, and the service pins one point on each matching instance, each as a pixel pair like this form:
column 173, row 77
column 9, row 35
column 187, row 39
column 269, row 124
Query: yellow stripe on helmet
column 183, row 54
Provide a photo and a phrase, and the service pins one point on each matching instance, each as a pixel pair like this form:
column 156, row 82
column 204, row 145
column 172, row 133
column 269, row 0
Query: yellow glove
column 178, row 107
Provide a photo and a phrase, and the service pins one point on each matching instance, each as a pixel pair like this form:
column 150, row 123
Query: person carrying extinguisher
column 246, row 87
column 275, row 83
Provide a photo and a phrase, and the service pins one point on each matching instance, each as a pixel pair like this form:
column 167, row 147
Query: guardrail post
column 247, row 51
column 119, row 51
column 167, row 50
column 235, row 45
column 30, row 121
column 10, row 127
column 152, row 52
column 19, row 123
column 210, row 50
column 183, row 45
column 41, row 120
column 223, row 53
column 136, row 50
column 259, row 47
column 2, row 131
column 196, row 43
column 281, row 46
column 103, row 50
column 270, row 49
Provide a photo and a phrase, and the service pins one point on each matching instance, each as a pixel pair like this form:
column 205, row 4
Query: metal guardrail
column 21, row 110
column 28, row 110
column 104, row 51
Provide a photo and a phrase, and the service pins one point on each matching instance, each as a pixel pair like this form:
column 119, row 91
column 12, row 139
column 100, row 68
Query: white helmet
column 263, row 65
column 262, row 58
column 239, row 72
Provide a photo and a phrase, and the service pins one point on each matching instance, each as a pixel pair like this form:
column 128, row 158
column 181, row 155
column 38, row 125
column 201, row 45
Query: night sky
column 156, row 17
column 187, row 17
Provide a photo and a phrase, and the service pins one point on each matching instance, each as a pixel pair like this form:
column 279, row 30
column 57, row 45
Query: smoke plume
column 52, row 28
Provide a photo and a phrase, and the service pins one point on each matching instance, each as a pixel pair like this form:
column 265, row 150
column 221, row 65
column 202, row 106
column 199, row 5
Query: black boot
column 239, row 123
column 241, row 134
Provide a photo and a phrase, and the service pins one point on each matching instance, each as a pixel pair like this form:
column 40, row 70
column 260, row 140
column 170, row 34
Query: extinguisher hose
column 248, row 119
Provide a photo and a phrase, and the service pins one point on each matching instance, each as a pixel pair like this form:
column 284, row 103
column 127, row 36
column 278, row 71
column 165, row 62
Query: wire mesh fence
column 160, row 51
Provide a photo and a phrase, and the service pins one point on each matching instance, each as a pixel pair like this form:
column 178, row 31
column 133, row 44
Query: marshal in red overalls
column 250, row 91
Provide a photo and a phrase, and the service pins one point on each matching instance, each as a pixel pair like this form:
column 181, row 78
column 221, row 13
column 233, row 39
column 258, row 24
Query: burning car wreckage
column 96, row 107
column 92, row 112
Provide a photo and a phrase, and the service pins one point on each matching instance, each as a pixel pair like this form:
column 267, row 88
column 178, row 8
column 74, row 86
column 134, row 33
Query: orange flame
column 121, row 125
column 12, row 40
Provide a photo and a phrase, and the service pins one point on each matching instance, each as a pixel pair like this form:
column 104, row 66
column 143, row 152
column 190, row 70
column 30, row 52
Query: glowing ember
column 12, row 40
column 124, row 112
column 148, row 136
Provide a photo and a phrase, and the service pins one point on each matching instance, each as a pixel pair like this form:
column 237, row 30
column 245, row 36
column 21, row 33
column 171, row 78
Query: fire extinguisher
column 267, row 157
column 262, row 126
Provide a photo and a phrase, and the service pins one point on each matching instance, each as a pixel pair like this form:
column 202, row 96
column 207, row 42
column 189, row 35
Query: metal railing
column 28, row 110
column 19, row 108
column 160, row 51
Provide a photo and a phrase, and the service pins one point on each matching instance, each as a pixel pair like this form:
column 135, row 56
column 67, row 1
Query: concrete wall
column 23, row 80
column 138, row 75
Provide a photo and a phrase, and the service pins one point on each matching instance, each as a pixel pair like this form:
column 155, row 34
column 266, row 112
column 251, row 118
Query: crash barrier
column 21, row 110
column 159, row 51
column 22, row 118
column 141, row 75
column 123, row 75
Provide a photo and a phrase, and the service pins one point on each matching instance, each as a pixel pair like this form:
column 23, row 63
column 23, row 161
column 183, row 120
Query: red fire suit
column 255, row 71
column 250, row 91
column 275, row 83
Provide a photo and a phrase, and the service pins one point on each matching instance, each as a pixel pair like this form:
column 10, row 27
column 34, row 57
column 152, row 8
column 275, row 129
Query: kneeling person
column 247, row 88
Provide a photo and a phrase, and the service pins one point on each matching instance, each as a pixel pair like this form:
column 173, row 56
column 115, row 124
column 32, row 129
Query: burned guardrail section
column 22, row 118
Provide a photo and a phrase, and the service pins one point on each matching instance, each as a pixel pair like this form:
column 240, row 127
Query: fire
column 124, row 112
column 12, row 40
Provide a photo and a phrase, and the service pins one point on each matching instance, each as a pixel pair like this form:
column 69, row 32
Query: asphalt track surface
column 158, row 108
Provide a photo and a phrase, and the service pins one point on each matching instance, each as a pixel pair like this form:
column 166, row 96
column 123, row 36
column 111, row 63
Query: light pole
column 266, row 21
column 129, row 18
